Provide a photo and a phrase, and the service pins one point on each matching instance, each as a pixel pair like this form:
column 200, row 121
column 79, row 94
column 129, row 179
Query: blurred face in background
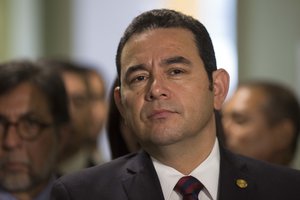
column 26, row 164
column 79, row 106
column 247, row 129
column 98, row 104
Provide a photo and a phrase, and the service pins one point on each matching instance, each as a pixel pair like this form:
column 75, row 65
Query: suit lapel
column 141, row 180
column 235, row 181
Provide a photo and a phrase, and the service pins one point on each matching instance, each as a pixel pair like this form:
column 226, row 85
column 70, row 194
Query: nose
column 158, row 89
column 11, row 139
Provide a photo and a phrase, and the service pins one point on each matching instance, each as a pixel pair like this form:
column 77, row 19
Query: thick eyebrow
column 167, row 61
column 176, row 59
column 134, row 68
column 22, row 116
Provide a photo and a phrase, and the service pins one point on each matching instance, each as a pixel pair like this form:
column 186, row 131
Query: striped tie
column 189, row 187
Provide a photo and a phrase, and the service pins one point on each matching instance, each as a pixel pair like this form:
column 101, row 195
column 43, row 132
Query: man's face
column 79, row 106
column 98, row 104
column 245, row 125
column 26, row 165
column 165, row 95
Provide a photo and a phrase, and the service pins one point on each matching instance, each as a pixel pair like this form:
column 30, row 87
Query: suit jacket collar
column 141, row 180
column 235, row 181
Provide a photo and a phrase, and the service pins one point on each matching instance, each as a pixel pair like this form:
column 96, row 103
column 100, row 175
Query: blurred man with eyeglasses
column 34, row 121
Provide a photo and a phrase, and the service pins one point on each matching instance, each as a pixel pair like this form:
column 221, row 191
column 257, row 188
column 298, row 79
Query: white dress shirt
column 207, row 173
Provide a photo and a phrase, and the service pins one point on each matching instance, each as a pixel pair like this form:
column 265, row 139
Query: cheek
column 256, row 129
column 132, row 100
column 246, row 131
column 43, row 150
column 240, row 132
column 253, row 134
column 204, row 102
column 98, row 112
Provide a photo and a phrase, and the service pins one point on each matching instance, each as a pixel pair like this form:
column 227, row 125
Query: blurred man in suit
column 261, row 120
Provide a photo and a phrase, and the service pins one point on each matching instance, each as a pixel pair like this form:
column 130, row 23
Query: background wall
column 269, row 41
column 35, row 28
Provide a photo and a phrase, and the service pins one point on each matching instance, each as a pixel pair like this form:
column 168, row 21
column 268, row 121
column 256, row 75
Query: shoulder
column 261, row 177
column 100, row 180
column 264, row 169
column 99, row 173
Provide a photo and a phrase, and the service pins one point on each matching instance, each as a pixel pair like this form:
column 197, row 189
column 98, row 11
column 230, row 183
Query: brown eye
column 176, row 71
column 138, row 79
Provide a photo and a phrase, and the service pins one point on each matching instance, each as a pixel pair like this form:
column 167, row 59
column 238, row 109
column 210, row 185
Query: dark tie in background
column 189, row 187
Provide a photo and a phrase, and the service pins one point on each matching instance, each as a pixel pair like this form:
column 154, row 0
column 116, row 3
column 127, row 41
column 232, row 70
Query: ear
column 118, row 100
column 220, row 87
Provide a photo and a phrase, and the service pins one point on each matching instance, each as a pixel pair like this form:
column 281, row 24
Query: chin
column 16, row 182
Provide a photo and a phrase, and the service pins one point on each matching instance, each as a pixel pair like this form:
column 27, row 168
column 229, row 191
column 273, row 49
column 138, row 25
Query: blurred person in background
column 34, row 120
column 79, row 151
column 261, row 120
column 121, row 140
column 98, row 111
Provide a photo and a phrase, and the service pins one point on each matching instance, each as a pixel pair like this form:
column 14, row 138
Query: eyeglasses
column 27, row 128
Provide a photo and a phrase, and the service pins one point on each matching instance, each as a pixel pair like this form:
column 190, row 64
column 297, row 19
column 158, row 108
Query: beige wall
column 56, row 27
column 4, row 36
column 269, row 40
column 34, row 28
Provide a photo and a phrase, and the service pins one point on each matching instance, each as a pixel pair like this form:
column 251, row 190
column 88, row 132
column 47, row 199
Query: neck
column 185, row 155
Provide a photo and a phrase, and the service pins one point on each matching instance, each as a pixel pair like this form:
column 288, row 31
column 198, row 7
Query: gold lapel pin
column 241, row 183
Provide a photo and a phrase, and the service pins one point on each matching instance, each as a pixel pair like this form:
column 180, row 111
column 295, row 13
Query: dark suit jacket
column 134, row 177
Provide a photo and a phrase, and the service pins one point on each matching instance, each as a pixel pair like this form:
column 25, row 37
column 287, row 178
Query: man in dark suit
column 168, row 92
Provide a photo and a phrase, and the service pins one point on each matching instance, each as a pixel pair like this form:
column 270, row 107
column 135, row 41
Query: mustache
column 160, row 107
column 14, row 159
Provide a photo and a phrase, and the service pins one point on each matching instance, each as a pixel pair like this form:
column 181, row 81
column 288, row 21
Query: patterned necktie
column 189, row 187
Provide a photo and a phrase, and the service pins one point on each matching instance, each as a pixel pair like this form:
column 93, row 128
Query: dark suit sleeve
column 59, row 192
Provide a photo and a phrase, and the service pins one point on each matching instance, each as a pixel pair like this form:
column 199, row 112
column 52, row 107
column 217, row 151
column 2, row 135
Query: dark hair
column 63, row 65
column 164, row 18
column 281, row 104
column 48, row 81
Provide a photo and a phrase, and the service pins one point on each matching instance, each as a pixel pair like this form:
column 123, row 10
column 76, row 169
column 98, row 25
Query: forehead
column 23, row 98
column 96, row 82
column 159, row 42
column 247, row 98
column 74, row 82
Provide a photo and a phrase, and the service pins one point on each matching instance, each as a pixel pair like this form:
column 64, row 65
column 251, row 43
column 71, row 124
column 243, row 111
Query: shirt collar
column 207, row 173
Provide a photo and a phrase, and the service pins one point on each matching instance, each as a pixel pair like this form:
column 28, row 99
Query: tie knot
column 188, row 186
